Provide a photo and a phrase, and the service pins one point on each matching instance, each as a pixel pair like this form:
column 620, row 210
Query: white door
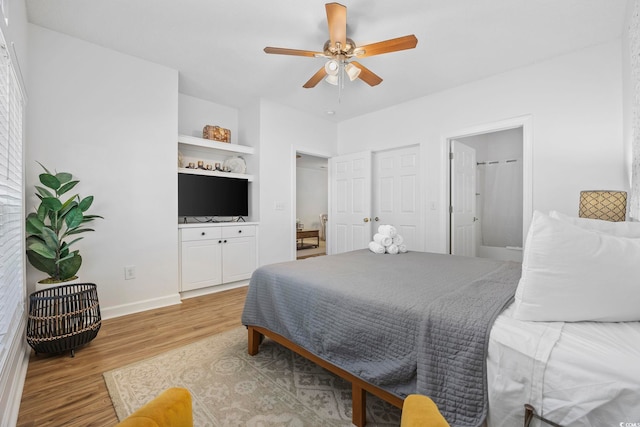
column 396, row 193
column 350, row 202
column 463, row 199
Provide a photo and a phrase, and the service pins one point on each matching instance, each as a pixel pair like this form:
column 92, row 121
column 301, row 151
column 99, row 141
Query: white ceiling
column 217, row 45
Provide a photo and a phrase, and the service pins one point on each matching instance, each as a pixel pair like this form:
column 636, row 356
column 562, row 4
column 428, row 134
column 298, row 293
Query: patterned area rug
column 230, row 388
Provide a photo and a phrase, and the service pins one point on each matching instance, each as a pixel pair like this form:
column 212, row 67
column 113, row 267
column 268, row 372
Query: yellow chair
column 171, row 408
column 420, row 411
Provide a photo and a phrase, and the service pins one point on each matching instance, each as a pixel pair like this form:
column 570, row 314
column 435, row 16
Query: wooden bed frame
column 359, row 387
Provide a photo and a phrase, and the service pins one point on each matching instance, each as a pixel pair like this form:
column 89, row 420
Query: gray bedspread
column 413, row 322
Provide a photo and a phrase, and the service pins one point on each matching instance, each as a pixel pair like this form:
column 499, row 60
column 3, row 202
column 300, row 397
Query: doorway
column 312, row 196
column 490, row 190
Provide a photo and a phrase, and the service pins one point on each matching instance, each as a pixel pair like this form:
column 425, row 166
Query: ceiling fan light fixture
column 331, row 79
column 352, row 71
column 332, row 67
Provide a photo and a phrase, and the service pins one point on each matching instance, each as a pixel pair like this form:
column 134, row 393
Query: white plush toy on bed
column 387, row 240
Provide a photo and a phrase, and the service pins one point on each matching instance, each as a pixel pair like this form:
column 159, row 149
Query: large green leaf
column 52, row 203
column 64, row 177
column 41, row 263
column 42, row 212
column 42, row 249
column 68, row 205
column 78, row 231
column 50, row 238
column 34, row 224
column 86, row 203
column 88, row 218
column 66, row 187
column 69, row 266
column 44, row 192
column 50, row 181
column 67, row 245
column 74, row 218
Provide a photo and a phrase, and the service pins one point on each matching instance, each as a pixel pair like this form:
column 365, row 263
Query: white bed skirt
column 575, row 374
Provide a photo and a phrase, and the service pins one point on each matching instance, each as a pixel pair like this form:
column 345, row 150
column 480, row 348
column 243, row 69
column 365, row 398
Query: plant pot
column 42, row 286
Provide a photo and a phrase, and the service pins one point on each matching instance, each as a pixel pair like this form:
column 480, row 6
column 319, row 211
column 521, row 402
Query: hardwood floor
column 64, row 391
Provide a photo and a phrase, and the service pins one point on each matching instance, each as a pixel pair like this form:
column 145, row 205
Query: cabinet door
column 238, row 258
column 201, row 264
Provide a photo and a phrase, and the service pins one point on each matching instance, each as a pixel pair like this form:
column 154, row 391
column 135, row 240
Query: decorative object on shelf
column 180, row 160
column 216, row 133
column 191, row 165
column 63, row 318
column 217, row 167
column 604, row 205
column 54, row 221
column 235, row 165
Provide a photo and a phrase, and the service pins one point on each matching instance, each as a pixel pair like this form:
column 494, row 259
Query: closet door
column 349, row 220
column 396, row 193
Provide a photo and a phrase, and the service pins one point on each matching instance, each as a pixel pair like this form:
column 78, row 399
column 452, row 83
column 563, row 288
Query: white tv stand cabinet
column 216, row 256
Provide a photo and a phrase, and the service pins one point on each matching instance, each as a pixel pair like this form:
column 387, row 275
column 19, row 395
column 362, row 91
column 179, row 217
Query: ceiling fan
column 341, row 50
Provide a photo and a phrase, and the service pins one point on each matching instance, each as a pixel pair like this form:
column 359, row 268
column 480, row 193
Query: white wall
column 312, row 196
column 111, row 120
column 283, row 131
column 194, row 114
column 575, row 102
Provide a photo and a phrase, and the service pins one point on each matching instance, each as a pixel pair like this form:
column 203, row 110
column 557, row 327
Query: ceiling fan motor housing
column 338, row 50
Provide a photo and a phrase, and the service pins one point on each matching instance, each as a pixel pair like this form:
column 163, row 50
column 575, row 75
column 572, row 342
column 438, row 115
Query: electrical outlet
column 130, row 272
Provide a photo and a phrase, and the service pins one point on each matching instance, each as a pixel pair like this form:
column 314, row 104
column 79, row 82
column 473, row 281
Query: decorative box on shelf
column 216, row 133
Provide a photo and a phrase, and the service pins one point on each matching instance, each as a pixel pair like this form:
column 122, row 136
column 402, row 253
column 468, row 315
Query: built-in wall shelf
column 194, row 149
column 206, row 145
column 216, row 173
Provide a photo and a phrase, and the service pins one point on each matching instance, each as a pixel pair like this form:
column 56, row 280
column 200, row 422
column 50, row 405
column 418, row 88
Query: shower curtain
column 501, row 220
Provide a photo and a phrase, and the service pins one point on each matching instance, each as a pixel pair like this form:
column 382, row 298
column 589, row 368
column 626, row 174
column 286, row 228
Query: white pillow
column 620, row 229
column 571, row 274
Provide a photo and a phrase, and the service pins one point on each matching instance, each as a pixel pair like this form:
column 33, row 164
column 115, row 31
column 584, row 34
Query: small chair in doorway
column 323, row 226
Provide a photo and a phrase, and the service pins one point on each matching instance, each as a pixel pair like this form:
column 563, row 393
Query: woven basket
column 63, row 318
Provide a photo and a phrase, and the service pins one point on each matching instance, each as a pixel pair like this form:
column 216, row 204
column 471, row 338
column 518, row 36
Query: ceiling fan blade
column 317, row 77
column 294, row 52
column 391, row 45
column 366, row 75
column 337, row 20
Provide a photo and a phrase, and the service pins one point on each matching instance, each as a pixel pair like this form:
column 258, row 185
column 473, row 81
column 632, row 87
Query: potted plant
column 55, row 221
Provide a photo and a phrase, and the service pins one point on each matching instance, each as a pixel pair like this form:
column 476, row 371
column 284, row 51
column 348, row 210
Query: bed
column 447, row 327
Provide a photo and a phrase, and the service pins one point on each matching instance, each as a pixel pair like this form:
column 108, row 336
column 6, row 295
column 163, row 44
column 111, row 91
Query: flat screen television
column 208, row 196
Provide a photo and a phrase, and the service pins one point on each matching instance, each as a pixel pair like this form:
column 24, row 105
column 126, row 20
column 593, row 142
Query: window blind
column 12, row 256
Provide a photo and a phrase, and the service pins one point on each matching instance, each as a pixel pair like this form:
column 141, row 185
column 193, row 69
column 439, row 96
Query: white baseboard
column 213, row 289
column 136, row 307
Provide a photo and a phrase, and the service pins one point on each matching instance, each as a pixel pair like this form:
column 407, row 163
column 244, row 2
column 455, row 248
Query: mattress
column 574, row 374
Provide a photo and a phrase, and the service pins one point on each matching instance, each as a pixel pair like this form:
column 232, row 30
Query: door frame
column 295, row 149
column 526, row 123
